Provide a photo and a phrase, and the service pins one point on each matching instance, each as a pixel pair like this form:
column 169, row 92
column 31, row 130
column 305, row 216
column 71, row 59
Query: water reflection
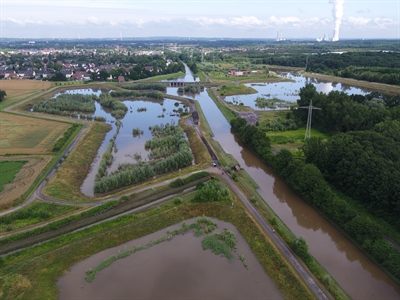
column 360, row 278
column 289, row 90
column 188, row 77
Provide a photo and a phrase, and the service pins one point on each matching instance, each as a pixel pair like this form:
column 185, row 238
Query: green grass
column 40, row 267
column 9, row 169
column 201, row 76
column 34, row 213
column 232, row 89
column 291, row 139
column 162, row 77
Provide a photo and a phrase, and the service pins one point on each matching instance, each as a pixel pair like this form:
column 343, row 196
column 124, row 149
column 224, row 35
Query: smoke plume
column 337, row 13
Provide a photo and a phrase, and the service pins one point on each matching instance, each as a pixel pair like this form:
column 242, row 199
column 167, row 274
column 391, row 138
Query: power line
column 309, row 117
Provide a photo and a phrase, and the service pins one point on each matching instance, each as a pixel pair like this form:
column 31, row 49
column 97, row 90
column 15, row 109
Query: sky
column 202, row 18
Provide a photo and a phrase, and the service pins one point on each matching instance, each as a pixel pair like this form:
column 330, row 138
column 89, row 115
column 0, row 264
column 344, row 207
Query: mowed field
column 20, row 89
column 24, row 178
column 25, row 135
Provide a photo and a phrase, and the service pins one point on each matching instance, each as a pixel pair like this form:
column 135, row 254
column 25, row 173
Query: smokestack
column 337, row 13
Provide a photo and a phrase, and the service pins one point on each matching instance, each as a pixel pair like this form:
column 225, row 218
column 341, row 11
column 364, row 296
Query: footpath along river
column 355, row 272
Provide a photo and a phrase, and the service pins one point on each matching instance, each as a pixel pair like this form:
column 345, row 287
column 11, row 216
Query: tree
column 2, row 95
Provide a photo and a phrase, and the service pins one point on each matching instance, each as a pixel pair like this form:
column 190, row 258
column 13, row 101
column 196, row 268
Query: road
column 216, row 170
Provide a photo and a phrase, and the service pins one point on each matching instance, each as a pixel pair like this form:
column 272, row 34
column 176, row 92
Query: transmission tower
column 310, row 108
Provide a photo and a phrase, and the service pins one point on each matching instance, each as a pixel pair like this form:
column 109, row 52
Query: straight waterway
column 355, row 272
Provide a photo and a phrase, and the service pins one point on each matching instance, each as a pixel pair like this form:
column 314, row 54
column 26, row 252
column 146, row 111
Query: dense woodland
column 363, row 164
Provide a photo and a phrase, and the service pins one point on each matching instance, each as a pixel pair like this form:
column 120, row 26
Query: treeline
column 172, row 151
column 191, row 89
column 61, row 142
column 146, row 86
column 364, row 165
column 66, row 103
column 307, row 180
column 182, row 181
column 341, row 112
column 370, row 66
column 134, row 94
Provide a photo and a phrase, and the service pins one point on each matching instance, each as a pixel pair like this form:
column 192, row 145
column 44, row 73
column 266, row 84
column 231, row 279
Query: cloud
column 372, row 23
column 93, row 20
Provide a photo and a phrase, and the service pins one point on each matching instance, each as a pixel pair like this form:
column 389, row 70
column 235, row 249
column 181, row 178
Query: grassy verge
column 228, row 114
column 248, row 186
column 65, row 183
column 41, row 266
column 201, row 76
column 163, row 77
column 34, row 213
column 199, row 150
column 91, row 216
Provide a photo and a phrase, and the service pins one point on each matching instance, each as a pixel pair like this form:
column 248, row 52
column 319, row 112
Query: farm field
column 19, row 89
column 24, row 135
column 8, row 171
column 24, row 178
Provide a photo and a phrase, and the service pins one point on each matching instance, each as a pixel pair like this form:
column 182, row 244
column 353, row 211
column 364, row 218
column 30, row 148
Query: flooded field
column 289, row 90
column 175, row 269
column 156, row 112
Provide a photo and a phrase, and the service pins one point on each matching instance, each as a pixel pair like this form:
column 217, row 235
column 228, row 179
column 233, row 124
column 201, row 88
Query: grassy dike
column 33, row 273
column 249, row 187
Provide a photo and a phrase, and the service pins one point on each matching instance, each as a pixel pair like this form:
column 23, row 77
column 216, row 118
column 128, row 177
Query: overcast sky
column 201, row 18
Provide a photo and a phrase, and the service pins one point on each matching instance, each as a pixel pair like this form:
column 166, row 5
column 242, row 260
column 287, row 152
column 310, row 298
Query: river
column 356, row 273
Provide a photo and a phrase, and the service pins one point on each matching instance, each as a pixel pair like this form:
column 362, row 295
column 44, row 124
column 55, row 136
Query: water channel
column 357, row 274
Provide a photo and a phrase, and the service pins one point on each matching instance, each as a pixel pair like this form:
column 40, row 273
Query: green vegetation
column 273, row 103
column 146, row 86
column 35, row 213
column 64, row 104
column 9, row 170
column 221, row 243
column 169, row 151
column 212, row 191
column 66, row 182
column 42, row 265
column 171, row 76
column 118, row 108
column 232, row 89
column 199, row 225
column 60, row 143
column 135, row 94
column 370, row 66
column 182, row 181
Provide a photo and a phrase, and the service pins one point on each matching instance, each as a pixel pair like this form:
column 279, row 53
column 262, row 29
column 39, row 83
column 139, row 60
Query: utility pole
column 309, row 117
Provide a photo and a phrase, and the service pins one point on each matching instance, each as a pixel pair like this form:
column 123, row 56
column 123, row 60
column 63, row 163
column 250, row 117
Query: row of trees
column 308, row 181
column 136, row 94
column 171, row 152
column 146, row 86
column 67, row 102
column 191, row 89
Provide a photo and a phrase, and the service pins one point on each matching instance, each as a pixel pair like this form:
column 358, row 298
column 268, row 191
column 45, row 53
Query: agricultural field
column 24, row 135
column 8, row 171
column 30, row 168
column 18, row 90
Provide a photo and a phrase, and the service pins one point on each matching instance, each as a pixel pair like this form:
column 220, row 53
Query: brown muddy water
column 175, row 269
column 355, row 272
